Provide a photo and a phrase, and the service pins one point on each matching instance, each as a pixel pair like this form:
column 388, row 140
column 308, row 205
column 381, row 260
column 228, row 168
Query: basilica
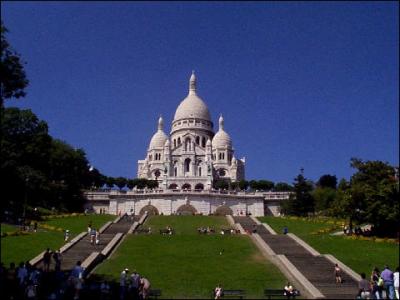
column 186, row 163
column 192, row 156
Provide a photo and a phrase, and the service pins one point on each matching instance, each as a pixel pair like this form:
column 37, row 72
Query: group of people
column 357, row 230
column 205, row 230
column 168, row 230
column 380, row 285
column 133, row 286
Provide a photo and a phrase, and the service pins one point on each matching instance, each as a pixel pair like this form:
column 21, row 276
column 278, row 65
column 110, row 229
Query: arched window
column 197, row 140
column 199, row 186
column 199, row 171
column 203, row 142
column 187, row 144
column 175, row 171
column 179, row 140
column 220, row 156
column 174, row 143
column 187, row 164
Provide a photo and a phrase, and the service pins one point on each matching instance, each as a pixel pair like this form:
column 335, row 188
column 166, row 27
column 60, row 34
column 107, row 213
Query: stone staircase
column 83, row 248
column 317, row 269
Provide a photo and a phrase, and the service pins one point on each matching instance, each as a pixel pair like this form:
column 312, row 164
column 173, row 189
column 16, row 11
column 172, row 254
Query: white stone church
column 186, row 163
column 192, row 156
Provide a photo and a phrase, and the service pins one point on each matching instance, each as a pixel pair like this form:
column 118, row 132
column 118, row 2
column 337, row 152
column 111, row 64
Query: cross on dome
column 160, row 123
column 221, row 122
column 192, row 83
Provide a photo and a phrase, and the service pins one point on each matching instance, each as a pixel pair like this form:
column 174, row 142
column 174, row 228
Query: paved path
column 317, row 269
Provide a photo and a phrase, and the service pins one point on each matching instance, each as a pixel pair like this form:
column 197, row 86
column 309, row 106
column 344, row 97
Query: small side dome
column 221, row 138
column 208, row 142
column 159, row 138
column 167, row 143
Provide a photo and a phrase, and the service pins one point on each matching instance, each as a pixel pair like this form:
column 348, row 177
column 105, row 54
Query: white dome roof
column 192, row 106
column 159, row 138
column 221, row 138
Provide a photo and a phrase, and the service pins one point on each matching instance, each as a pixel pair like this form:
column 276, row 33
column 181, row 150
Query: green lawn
column 189, row 265
column 8, row 228
column 77, row 224
column 360, row 255
column 25, row 247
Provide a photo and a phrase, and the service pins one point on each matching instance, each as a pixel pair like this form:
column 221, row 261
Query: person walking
column 66, row 235
column 77, row 278
column 122, row 283
column 338, row 275
column 135, row 284
column 377, row 283
column 388, row 282
column 46, row 260
column 144, row 287
column 57, row 260
column 92, row 236
column 396, row 282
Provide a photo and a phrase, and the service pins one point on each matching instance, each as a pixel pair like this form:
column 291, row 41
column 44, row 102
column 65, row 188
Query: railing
column 267, row 195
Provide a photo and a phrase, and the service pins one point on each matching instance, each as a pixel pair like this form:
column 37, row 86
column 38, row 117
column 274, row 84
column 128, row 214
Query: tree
column 376, row 188
column 324, row 197
column 283, row 187
column 265, row 185
column 221, row 184
column 120, row 182
column 301, row 202
column 243, row 184
column 327, row 181
column 13, row 78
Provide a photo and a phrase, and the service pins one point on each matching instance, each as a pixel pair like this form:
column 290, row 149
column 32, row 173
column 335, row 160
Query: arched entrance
column 173, row 186
column 186, row 186
column 151, row 210
column 186, row 210
column 223, row 211
column 199, row 186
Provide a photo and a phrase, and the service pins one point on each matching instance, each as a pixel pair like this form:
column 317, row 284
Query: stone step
column 317, row 269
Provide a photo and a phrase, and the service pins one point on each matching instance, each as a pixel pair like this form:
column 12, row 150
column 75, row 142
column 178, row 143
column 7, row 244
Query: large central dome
column 192, row 106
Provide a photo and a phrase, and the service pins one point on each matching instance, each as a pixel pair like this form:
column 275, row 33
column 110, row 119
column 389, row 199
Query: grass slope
column 25, row 247
column 189, row 265
column 360, row 255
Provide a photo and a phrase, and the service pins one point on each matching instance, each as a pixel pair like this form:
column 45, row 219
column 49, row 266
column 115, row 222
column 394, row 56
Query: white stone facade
column 170, row 203
column 192, row 156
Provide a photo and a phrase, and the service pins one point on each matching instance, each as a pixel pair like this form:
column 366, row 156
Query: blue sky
column 300, row 84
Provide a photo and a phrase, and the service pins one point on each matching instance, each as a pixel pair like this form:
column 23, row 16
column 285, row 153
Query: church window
column 223, row 155
column 220, row 156
column 150, row 157
column 199, row 171
column 197, row 140
column 175, row 171
column 157, row 174
column 221, row 172
column 187, row 144
column 179, row 140
column 174, row 143
column 203, row 142
column 187, row 164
